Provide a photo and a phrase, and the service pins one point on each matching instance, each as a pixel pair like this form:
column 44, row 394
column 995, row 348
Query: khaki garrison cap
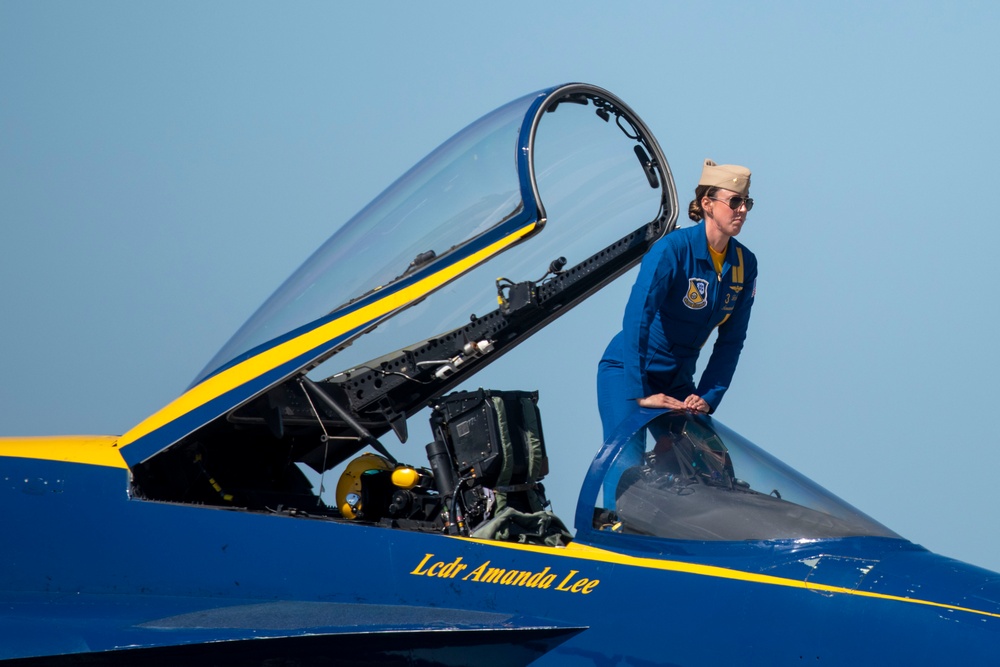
column 729, row 176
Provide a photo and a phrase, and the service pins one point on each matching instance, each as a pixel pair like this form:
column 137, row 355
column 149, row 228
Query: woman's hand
column 696, row 404
column 661, row 401
column 692, row 403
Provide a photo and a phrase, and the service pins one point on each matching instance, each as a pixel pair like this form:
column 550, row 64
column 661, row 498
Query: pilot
column 692, row 281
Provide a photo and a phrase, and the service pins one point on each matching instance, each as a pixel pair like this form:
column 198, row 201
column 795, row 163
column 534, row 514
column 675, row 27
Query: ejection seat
column 497, row 454
column 487, row 461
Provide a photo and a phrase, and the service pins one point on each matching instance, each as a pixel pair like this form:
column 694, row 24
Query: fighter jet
column 336, row 487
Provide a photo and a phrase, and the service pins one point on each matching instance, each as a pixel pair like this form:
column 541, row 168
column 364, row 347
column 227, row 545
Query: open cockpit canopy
column 511, row 222
column 478, row 195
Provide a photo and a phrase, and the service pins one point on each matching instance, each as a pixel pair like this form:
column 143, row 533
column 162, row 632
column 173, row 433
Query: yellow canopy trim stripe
column 267, row 360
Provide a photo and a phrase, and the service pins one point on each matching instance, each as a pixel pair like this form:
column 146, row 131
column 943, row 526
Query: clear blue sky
column 164, row 166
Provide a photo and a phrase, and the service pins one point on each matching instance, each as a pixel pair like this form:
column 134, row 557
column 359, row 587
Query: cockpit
column 385, row 329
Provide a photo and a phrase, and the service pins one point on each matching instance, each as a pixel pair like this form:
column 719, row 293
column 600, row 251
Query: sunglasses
column 736, row 201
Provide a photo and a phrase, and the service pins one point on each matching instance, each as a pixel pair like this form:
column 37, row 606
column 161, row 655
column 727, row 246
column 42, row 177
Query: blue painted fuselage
column 95, row 570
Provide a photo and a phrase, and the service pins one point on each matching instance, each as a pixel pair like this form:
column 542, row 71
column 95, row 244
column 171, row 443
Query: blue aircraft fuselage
column 94, row 569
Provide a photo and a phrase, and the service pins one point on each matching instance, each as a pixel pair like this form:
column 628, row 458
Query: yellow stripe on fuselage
column 103, row 451
column 254, row 367
column 98, row 450
column 584, row 552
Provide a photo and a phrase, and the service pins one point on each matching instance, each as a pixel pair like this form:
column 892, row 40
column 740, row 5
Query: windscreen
column 688, row 477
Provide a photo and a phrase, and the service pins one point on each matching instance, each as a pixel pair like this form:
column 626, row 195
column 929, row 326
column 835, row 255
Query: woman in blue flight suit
column 693, row 280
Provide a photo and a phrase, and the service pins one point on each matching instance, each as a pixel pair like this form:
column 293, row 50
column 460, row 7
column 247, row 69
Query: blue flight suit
column 676, row 302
